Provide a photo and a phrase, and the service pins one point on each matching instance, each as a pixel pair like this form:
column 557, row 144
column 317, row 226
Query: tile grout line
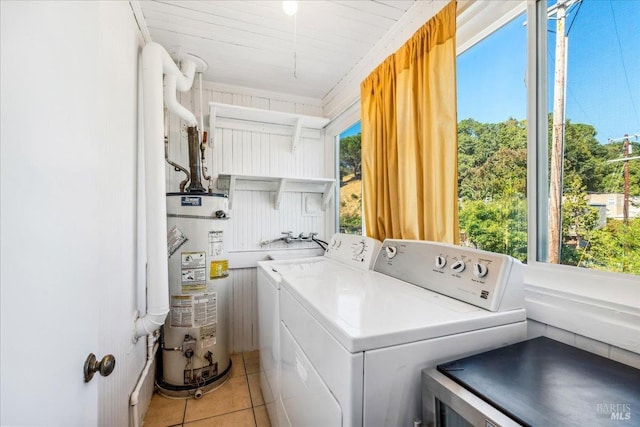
column 214, row 416
column 184, row 412
column 253, row 407
column 251, row 398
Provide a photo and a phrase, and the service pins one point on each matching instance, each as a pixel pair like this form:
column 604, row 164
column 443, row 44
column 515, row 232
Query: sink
column 295, row 253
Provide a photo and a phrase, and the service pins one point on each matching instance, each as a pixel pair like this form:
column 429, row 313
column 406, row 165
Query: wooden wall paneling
column 247, row 156
column 264, row 157
column 260, row 102
column 287, row 107
column 256, row 153
column 244, row 329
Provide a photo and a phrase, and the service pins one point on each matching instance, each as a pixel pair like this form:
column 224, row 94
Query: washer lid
column 366, row 310
column 275, row 268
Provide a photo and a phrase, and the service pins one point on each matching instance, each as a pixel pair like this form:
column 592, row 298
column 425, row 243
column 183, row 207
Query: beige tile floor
column 238, row 403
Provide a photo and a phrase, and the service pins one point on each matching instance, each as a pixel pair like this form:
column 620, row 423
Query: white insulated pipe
column 156, row 63
column 152, row 348
column 171, row 101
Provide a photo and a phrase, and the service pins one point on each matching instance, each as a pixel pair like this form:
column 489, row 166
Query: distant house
column 614, row 204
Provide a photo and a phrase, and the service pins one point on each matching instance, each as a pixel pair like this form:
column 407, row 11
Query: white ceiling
column 253, row 43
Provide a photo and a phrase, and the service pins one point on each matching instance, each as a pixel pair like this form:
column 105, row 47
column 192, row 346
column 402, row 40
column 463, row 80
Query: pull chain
column 295, row 46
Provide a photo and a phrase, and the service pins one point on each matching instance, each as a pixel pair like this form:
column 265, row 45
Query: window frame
column 345, row 120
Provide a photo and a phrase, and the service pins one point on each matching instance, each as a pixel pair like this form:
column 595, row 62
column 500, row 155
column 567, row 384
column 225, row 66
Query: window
column 350, row 178
column 492, row 141
column 593, row 125
column 597, row 105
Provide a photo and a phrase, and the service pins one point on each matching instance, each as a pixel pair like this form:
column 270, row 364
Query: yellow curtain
column 409, row 137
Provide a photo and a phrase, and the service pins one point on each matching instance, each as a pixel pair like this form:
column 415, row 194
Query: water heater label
column 208, row 336
column 205, row 310
column 190, row 201
column 181, row 311
column 216, row 243
column 175, row 239
column 219, row 269
column 194, row 274
column 193, row 260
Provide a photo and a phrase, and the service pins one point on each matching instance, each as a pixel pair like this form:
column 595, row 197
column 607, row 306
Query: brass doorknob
column 104, row 367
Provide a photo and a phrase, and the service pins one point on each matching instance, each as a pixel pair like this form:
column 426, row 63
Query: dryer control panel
column 354, row 250
column 488, row 280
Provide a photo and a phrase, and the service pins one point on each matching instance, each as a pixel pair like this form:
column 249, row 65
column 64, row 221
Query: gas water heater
column 194, row 346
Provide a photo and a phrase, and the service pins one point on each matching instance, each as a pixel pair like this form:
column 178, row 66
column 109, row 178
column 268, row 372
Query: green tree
column 496, row 225
column 491, row 157
column 505, row 171
column 583, row 156
column 350, row 224
column 350, row 158
column 613, row 180
column 615, row 247
column 579, row 220
column 492, row 167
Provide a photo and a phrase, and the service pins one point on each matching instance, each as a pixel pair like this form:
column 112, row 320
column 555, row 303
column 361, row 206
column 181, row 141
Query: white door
column 68, row 133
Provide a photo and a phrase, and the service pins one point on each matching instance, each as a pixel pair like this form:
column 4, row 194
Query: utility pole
column 625, row 154
column 557, row 136
column 626, row 150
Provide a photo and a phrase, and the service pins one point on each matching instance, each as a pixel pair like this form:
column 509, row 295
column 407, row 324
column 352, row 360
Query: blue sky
column 603, row 70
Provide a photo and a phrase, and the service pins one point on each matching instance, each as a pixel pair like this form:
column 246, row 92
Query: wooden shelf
column 278, row 185
column 236, row 112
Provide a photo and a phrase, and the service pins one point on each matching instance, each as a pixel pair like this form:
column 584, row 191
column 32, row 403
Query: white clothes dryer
column 353, row 343
column 344, row 252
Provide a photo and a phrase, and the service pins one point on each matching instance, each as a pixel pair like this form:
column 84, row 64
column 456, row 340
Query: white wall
column 69, row 123
column 536, row 329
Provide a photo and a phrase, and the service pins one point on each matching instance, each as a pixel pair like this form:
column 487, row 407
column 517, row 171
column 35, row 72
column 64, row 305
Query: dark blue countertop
column 542, row 382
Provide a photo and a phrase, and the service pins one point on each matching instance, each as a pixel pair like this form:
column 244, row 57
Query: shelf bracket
column 328, row 194
column 281, row 184
column 296, row 134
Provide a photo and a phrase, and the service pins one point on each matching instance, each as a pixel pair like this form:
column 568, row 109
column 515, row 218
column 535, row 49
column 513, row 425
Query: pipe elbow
column 187, row 73
column 170, row 99
column 149, row 323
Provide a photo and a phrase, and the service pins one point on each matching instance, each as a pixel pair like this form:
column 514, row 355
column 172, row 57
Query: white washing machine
column 344, row 252
column 353, row 343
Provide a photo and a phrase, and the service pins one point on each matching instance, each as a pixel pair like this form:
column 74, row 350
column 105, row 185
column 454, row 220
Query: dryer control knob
column 458, row 266
column 440, row 261
column 391, row 251
column 480, row 270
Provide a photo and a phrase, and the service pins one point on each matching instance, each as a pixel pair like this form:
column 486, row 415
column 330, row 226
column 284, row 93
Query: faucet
column 301, row 237
column 287, row 238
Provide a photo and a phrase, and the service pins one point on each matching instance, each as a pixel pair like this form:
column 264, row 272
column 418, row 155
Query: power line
column 574, row 16
column 624, row 67
column 575, row 98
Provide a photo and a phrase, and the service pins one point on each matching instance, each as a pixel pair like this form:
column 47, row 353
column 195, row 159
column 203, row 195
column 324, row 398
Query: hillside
column 351, row 204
